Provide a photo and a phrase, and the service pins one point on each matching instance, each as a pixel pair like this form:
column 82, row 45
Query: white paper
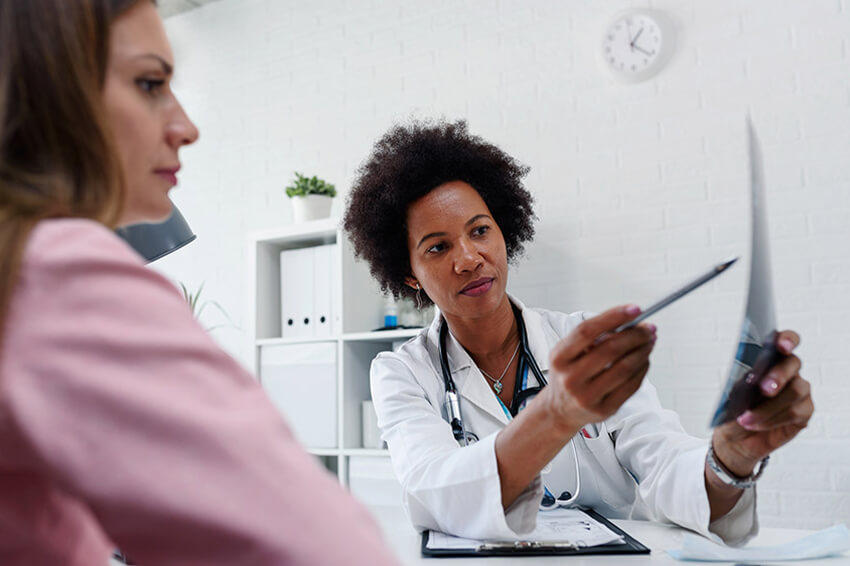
column 828, row 542
column 447, row 542
column 571, row 526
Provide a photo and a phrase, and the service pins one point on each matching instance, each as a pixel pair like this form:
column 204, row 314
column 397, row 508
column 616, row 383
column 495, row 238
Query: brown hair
column 57, row 157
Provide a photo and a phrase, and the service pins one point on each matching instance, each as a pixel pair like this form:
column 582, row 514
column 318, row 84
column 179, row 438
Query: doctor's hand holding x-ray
column 498, row 406
column 741, row 444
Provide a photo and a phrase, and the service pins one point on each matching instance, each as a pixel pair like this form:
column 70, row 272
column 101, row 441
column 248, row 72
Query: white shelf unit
column 361, row 305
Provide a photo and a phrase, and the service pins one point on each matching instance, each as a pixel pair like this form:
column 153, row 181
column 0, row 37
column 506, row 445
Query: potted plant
column 311, row 197
column 193, row 299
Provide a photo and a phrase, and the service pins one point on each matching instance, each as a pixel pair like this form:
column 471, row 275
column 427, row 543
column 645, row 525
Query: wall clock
column 637, row 44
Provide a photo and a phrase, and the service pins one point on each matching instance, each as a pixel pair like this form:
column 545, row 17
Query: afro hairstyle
column 407, row 163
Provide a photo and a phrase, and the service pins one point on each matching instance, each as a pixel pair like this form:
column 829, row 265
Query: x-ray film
column 756, row 352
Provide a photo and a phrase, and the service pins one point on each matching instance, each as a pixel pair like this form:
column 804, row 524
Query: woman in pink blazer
column 121, row 422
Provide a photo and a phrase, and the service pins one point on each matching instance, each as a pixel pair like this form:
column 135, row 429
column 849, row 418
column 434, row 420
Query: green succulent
column 304, row 186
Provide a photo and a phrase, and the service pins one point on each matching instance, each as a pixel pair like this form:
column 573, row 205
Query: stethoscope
column 526, row 361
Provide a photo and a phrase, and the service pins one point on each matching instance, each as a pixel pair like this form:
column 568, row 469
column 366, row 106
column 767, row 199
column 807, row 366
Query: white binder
column 287, row 294
column 296, row 293
column 323, row 286
column 336, row 289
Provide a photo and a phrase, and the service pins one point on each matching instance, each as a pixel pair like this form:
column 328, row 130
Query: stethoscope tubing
column 453, row 402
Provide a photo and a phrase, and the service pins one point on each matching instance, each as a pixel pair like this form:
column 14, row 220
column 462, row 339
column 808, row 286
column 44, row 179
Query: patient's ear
column 412, row 282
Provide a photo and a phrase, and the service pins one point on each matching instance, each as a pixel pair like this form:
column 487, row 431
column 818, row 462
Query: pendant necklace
column 497, row 383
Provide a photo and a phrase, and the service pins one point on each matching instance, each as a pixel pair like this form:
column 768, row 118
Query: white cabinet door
column 301, row 381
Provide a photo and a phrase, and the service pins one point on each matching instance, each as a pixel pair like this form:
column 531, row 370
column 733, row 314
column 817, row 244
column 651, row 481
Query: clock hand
column 647, row 53
column 634, row 40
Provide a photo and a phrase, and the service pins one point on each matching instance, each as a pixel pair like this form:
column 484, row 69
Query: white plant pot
column 311, row 207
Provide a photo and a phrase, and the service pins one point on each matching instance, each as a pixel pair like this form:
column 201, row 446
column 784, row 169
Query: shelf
column 381, row 336
column 370, row 452
column 324, row 451
column 375, row 452
column 333, row 405
column 300, row 234
column 288, row 341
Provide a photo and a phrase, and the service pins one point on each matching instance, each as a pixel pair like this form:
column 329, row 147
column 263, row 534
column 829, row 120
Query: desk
column 406, row 543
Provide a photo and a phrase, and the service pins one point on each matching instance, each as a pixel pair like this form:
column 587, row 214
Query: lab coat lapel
column 471, row 385
column 541, row 336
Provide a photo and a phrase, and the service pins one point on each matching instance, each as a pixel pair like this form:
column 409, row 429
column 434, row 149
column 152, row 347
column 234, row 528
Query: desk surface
column 406, row 543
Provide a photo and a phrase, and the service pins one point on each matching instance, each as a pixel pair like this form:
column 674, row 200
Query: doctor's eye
column 480, row 230
column 436, row 248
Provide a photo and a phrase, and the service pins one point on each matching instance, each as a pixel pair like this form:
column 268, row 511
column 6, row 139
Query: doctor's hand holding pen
column 594, row 370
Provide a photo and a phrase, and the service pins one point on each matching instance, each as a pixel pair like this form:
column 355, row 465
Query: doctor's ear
column 412, row 283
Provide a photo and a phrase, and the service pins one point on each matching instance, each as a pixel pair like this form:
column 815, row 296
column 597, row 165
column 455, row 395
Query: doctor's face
column 457, row 251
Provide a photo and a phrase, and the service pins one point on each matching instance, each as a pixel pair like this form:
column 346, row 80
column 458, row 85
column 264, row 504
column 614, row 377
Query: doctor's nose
column 467, row 258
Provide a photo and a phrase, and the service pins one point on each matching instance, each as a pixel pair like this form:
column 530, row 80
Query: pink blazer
column 122, row 423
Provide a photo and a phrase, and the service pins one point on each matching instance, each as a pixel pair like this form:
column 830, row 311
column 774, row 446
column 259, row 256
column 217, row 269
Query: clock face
column 634, row 46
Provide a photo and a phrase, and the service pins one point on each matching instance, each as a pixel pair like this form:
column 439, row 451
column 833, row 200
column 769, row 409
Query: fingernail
column 746, row 420
column 632, row 310
column 651, row 327
column 786, row 345
column 769, row 386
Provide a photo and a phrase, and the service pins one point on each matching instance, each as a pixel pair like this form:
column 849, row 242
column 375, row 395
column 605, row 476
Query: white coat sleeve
column 445, row 487
column 668, row 465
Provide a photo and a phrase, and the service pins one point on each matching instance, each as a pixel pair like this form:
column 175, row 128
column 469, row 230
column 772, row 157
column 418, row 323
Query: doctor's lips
column 478, row 287
column 168, row 173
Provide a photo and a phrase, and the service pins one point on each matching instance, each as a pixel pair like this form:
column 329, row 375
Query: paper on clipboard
column 756, row 351
column 560, row 526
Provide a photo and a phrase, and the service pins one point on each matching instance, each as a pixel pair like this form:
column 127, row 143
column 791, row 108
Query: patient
column 121, row 422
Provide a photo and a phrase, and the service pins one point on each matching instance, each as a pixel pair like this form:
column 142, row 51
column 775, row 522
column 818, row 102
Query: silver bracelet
column 728, row 477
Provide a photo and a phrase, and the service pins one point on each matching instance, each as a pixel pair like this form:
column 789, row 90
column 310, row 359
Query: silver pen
column 678, row 294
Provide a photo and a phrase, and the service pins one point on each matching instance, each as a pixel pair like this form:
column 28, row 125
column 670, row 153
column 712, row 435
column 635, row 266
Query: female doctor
column 477, row 442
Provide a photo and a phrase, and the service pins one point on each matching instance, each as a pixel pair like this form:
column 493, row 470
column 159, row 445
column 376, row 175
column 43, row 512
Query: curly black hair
column 407, row 163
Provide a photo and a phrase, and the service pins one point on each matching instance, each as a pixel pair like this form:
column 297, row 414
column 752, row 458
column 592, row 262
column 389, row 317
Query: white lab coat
column 642, row 465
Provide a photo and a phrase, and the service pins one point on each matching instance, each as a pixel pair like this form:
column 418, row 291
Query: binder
column 323, row 274
column 532, row 548
column 296, row 288
column 305, row 321
column 336, row 289
column 288, row 292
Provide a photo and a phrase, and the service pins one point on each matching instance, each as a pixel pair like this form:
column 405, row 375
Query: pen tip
column 727, row 263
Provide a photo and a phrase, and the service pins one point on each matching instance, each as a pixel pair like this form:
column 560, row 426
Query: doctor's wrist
column 731, row 460
column 560, row 424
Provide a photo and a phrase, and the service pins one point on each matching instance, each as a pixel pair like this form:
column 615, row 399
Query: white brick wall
column 639, row 187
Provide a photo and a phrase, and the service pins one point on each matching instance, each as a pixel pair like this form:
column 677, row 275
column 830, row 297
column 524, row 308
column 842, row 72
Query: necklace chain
column 497, row 383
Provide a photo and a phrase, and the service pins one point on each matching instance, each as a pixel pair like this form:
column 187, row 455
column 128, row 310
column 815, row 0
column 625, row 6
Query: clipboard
column 531, row 548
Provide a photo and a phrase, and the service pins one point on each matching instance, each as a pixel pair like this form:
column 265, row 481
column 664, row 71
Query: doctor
column 479, row 444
